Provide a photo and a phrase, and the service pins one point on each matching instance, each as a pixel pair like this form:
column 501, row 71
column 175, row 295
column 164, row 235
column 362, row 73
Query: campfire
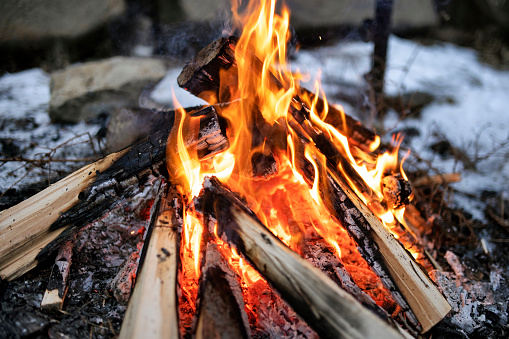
column 278, row 210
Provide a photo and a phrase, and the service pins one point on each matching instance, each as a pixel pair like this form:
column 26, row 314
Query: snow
column 162, row 93
column 24, row 102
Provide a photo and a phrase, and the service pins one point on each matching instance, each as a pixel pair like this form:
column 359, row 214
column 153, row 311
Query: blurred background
column 55, row 33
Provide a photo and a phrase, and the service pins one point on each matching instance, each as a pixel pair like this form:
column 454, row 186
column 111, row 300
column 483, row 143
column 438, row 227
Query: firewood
column 54, row 295
column 437, row 179
column 213, row 73
column 39, row 225
column 152, row 309
column 220, row 309
column 329, row 310
column 411, row 288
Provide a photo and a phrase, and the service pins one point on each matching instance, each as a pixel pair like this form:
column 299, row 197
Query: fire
column 284, row 202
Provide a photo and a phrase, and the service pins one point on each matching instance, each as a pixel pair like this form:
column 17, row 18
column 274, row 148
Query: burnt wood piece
column 213, row 76
column 37, row 226
column 213, row 72
column 220, row 311
column 355, row 131
column 329, row 310
column 152, row 310
column 415, row 293
column 57, row 286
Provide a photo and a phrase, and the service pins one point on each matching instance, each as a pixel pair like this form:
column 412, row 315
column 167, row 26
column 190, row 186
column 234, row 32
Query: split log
column 152, row 310
column 438, row 179
column 220, row 311
column 39, row 225
column 411, row 288
column 213, row 76
column 328, row 309
column 57, row 286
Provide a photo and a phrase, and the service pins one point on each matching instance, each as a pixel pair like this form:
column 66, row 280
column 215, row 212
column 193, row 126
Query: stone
column 83, row 91
column 127, row 126
column 31, row 21
column 319, row 13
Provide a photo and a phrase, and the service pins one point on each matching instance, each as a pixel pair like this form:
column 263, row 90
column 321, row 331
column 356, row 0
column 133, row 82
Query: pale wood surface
column 423, row 297
column 152, row 309
column 25, row 227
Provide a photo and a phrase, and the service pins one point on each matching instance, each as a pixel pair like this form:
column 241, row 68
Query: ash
column 90, row 309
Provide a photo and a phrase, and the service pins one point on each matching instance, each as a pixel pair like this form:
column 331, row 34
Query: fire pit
column 278, row 214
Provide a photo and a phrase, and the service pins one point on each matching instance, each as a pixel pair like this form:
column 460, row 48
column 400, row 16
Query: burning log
column 220, row 309
column 152, row 309
column 57, row 286
column 39, row 225
column 212, row 76
column 328, row 309
column 415, row 293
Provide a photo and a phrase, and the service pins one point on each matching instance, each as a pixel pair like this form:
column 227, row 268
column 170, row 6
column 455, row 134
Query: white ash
column 472, row 300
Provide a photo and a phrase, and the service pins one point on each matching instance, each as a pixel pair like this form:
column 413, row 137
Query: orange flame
column 266, row 87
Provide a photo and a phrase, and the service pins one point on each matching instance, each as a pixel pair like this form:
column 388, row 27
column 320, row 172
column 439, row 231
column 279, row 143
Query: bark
column 213, row 76
column 152, row 309
column 328, row 309
column 410, row 287
column 36, row 227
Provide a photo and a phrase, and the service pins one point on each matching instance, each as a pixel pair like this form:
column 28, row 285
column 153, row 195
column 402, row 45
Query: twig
column 43, row 161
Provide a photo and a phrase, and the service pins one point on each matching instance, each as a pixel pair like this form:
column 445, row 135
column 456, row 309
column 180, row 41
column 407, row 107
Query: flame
column 284, row 203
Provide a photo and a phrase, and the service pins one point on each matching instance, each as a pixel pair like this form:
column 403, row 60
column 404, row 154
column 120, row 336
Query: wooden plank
column 152, row 309
column 25, row 228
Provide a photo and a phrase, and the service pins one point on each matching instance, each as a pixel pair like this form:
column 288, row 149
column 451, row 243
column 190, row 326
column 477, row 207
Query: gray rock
column 306, row 13
column 82, row 91
column 26, row 20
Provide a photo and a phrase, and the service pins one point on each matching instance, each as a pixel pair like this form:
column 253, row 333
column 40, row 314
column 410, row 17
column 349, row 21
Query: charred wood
column 328, row 309
column 213, row 76
column 121, row 286
column 36, row 227
column 411, row 288
column 152, row 309
column 220, row 309
column 57, row 286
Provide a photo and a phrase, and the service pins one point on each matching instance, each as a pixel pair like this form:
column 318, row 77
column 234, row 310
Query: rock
column 305, row 13
column 126, row 126
column 83, row 91
column 29, row 21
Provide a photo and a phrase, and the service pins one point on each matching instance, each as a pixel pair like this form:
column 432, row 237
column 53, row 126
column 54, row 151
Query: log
column 54, row 295
column 213, row 73
column 438, row 179
column 411, row 288
column 37, row 226
column 220, row 311
column 328, row 309
column 152, row 310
